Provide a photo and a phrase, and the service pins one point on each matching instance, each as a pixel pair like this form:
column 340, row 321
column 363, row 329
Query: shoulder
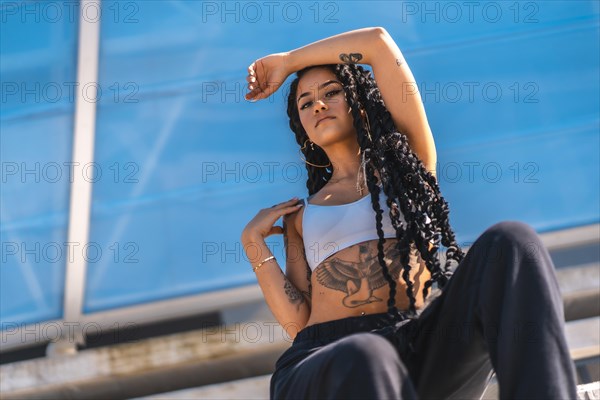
column 293, row 221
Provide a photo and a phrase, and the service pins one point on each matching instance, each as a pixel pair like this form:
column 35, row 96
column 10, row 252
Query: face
column 324, row 112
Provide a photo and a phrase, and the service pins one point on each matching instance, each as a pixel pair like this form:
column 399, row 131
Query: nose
column 319, row 105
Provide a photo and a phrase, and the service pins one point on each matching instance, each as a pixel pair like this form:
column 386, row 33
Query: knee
column 367, row 350
column 367, row 365
column 510, row 235
column 511, row 231
column 509, row 241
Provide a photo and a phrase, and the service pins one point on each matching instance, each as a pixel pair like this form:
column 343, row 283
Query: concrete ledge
column 583, row 337
column 581, row 305
column 167, row 379
column 154, row 365
column 258, row 388
column 255, row 388
column 189, row 360
column 235, row 351
column 589, row 391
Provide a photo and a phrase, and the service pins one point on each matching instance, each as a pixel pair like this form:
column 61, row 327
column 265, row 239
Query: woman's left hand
column 266, row 75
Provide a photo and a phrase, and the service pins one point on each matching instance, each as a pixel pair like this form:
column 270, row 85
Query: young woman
column 374, row 220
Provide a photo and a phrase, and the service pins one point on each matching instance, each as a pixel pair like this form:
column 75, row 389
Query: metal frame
column 81, row 189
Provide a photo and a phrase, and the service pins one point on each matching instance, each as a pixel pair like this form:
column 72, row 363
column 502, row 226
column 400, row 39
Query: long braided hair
column 405, row 181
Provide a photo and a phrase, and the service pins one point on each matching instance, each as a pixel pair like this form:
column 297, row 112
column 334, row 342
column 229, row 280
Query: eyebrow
column 321, row 86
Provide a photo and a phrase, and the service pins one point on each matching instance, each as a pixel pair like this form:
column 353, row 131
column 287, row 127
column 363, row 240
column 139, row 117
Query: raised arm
column 372, row 46
column 286, row 294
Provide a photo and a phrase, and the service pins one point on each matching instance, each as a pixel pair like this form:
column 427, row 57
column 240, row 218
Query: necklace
column 361, row 176
column 359, row 185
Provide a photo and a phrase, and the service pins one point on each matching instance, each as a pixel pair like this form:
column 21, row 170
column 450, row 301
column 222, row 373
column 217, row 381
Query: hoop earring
column 312, row 148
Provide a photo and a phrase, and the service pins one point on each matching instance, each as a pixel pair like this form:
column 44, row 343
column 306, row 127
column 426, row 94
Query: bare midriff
column 351, row 282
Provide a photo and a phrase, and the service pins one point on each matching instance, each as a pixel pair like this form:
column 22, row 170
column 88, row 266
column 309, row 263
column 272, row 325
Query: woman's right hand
column 261, row 225
column 266, row 75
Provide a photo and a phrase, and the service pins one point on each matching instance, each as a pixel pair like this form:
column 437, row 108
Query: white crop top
column 329, row 229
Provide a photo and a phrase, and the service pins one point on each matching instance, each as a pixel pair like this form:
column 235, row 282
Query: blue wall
column 37, row 71
column 511, row 92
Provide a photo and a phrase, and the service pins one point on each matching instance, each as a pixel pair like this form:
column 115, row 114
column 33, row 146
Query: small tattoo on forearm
column 293, row 294
column 351, row 58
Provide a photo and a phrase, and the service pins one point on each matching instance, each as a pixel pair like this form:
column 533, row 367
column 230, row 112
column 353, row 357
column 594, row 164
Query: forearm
column 375, row 47
column 284, row 300
column 359, row 46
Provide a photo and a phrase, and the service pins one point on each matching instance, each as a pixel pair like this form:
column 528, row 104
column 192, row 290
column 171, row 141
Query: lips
column 322, row 119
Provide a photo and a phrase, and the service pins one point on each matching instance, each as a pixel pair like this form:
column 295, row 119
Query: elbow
column 381, row 34
column 382, row 40
column 379, row 30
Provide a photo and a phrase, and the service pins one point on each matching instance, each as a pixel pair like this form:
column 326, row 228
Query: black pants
column 501, row 311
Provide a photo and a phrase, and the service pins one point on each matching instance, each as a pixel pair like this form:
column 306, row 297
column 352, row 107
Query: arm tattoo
column 351, row 58
column 294, row 296
column 400, row 61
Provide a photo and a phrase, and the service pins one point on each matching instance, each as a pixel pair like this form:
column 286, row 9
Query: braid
column 364, row 139
column 409, row 187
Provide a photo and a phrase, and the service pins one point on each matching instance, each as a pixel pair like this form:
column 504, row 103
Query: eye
column 332, row 93
column 307, row 104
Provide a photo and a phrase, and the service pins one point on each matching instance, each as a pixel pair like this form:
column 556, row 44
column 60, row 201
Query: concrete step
column 583, row 337
column 240, row 353
column 256, row 388
column 580, row 290
column 199, row 358
column 589, row 391
column 156, row 365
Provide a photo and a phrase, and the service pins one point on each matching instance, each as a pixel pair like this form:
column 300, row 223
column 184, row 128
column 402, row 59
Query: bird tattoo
column 358, row 280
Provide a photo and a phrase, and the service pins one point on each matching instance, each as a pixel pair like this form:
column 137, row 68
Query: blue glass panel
column 186, row 162
column 38, row 44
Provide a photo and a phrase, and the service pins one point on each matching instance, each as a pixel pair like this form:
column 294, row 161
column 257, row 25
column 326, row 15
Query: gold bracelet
column 262, row 262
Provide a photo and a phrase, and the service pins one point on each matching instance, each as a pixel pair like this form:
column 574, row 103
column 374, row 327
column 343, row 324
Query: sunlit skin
column 357, row 280
column 321, row 95
column 350, row 282
column 347, row 283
